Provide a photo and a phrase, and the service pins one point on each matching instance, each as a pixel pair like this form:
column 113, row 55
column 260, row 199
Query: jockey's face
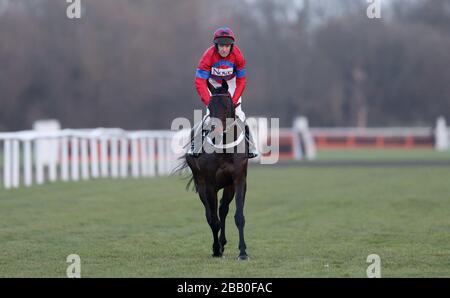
column 224, row 50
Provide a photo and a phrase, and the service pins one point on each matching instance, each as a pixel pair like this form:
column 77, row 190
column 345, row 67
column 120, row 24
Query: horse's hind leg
column 227, row 197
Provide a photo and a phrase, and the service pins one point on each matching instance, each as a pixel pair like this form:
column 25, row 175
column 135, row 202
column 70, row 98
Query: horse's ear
column 210, row 87
column 225, row 85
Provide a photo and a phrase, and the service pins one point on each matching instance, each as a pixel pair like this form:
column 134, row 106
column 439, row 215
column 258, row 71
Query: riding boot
column 193, row 151
column 252, row 152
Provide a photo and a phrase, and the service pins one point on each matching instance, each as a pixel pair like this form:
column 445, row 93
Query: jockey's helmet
column 224, row 36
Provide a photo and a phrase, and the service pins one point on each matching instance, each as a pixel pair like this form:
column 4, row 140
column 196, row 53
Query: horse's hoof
column 243, row 258
column 217, row 255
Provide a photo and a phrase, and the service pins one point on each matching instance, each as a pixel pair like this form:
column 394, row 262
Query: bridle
column 227, row 128
column 241, row 136
column 233, row 108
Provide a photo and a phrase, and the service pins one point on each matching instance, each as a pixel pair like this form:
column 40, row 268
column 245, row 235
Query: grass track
column 299, row 223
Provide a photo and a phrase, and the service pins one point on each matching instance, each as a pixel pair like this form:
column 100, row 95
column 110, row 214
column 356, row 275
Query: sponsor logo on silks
column 221, row 72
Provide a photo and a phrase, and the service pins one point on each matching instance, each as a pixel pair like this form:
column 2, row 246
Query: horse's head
column 220, row 104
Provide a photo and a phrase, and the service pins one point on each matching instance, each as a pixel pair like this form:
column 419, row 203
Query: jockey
column 223, row 61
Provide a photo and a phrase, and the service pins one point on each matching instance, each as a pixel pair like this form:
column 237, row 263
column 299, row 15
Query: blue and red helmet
column 224, row 35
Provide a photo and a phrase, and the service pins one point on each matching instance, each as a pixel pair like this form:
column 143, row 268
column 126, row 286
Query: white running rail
column 30, row 157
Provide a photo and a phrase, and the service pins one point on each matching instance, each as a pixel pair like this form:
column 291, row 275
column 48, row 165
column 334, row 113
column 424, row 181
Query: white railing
column 36, row 157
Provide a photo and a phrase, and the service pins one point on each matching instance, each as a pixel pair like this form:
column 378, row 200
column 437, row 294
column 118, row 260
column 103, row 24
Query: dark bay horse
column 225, row 170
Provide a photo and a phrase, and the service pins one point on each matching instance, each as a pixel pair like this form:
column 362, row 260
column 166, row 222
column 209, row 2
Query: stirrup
column 249, row 140
column 191, row 151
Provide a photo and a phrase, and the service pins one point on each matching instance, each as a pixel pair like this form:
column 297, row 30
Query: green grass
column 383, row 155
column 301, row 222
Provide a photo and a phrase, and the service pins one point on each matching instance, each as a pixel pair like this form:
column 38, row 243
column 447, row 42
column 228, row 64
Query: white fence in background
column 35, row 157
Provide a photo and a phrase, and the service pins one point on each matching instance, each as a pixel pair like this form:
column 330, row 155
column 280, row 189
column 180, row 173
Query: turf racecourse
column 300, row 222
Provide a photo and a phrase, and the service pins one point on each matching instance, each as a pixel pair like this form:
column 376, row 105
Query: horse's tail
column 183, row 167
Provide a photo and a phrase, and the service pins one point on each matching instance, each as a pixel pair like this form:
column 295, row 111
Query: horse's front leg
column 208, row 196
column 240, row 188
column 227, row 197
